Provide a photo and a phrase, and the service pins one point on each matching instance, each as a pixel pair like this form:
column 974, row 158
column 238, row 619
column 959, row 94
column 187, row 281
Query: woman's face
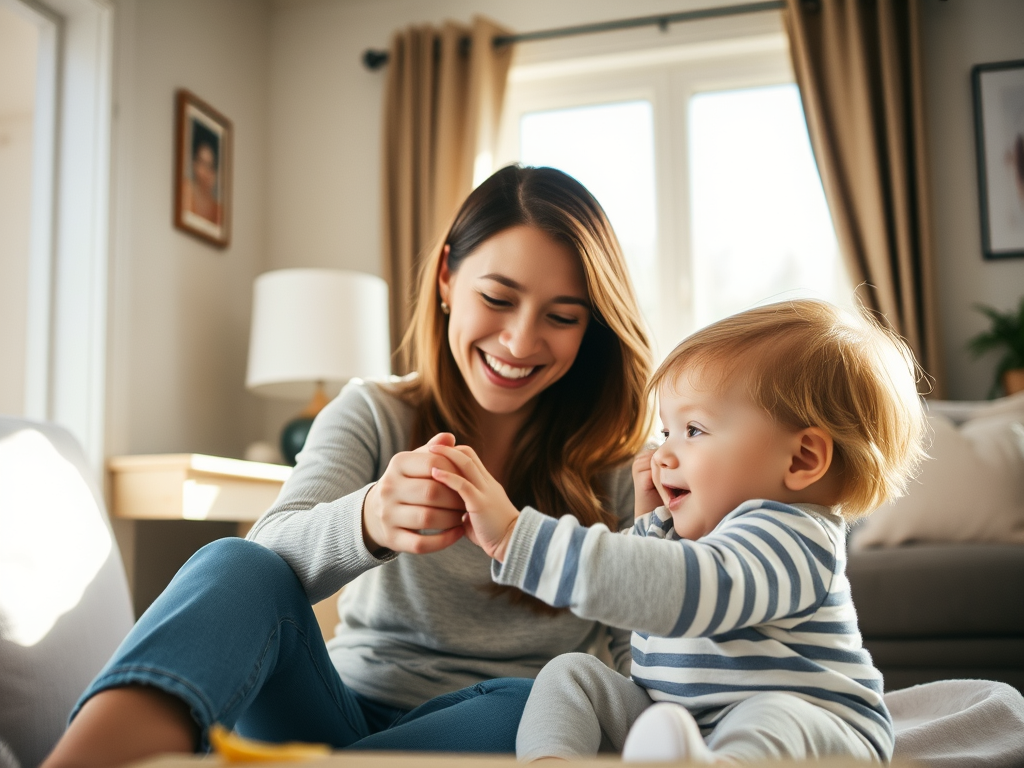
column 519, row 309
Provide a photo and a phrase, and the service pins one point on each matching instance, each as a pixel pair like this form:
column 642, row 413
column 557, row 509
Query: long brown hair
column 595, row 417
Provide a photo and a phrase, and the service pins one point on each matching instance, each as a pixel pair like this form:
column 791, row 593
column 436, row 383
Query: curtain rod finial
column 374, row 59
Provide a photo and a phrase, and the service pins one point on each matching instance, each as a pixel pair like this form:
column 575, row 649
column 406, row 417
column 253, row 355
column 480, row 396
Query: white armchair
column 64, row 600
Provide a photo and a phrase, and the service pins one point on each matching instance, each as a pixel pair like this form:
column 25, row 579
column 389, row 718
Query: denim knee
column 239, row 556
column 239, row 566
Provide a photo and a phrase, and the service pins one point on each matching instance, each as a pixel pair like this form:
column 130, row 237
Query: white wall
column 18, row 47
column 958, row 35
column 326, row 111
column 179, row 307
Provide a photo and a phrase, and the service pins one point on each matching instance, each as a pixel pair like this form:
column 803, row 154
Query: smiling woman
column 529, row 350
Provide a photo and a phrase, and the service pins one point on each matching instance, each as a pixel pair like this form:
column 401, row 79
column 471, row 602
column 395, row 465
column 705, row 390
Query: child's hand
column 645, row 495
column 490, row 516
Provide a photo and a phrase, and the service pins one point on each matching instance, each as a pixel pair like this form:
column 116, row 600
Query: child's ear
column 812, row 456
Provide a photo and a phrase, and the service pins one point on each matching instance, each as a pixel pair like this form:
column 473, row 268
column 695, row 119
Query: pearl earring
column 445, row 308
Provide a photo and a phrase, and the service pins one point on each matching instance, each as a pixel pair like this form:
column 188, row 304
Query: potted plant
column 1006, row 334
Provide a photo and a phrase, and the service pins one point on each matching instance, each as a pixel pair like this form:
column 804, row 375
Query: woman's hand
column 490, row 515
column 645, row 495
column 407, row 501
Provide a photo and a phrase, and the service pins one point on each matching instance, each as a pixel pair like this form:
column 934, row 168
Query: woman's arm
column 317, row 525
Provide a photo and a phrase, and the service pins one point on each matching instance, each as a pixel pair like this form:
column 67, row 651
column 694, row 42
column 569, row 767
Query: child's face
column 720, row 450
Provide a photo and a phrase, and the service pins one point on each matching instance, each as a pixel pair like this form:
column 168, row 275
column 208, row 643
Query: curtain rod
column 376, row 59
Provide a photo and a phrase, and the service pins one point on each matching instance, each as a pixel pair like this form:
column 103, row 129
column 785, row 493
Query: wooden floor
column 407, row 760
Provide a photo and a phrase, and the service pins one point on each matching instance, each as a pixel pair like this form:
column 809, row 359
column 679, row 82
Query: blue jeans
column 235, row 637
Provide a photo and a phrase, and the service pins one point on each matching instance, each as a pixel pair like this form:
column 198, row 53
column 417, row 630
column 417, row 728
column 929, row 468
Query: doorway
column 56, row 337
column 19, row 51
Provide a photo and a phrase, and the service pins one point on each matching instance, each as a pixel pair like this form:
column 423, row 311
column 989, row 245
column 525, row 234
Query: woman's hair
column 808, row 363
column 597, row 415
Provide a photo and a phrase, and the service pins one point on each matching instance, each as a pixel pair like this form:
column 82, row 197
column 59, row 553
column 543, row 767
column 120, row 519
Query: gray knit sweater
column 412, row 626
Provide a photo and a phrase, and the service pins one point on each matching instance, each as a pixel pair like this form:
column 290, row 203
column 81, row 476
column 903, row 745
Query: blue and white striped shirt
column 761, row 603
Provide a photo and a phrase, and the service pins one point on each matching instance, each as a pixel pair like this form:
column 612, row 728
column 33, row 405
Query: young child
column 781, row 425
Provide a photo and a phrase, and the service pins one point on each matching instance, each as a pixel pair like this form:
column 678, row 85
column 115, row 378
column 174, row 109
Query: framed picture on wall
column 202, row 170
column 999, row 133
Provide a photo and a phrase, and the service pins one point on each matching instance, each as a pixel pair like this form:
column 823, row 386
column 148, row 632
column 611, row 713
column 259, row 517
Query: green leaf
column 1006, row 334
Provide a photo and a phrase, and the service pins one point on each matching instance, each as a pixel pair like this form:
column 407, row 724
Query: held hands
column 490, row 515
column 407, row 501
column 645, row 495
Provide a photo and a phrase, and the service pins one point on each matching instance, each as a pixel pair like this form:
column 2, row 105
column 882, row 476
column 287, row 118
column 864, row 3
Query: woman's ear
column 811, row 458
column 444, row 277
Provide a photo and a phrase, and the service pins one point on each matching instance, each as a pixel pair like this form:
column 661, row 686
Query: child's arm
column 759, row 566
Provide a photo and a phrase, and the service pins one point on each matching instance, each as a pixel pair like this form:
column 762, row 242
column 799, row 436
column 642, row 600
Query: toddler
column 781, row 425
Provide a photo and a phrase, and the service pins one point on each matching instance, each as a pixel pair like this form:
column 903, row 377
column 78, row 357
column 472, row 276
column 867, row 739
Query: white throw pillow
column 971, row 489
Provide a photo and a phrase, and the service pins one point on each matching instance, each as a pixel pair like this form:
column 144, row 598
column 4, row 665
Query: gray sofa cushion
column 939, row 591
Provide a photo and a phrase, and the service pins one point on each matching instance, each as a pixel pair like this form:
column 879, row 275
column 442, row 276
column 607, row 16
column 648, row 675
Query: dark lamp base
column 293, row 437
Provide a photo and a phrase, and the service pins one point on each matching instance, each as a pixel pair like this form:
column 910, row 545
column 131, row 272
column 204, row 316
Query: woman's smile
column 506, row 374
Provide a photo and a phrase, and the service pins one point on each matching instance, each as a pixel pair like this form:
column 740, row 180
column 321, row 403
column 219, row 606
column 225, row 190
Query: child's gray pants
column 579, row 707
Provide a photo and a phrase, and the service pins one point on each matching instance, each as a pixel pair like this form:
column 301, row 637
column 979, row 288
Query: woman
column 530, row 348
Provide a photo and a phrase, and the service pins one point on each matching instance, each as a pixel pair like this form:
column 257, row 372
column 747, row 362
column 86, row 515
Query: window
column 609, row 148
column 699, row 154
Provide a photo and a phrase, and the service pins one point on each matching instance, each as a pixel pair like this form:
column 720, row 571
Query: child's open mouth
column 675, row 494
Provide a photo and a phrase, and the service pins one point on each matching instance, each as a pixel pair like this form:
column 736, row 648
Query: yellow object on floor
column 238, row 749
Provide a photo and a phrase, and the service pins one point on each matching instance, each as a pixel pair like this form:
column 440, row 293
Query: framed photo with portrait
column 999, row 130
column 202, row 175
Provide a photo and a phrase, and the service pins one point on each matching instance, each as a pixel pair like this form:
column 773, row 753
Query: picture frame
column 999, row 136
column 203, row 140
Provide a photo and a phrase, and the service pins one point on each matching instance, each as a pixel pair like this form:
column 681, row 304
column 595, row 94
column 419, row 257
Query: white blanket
column 959, row 724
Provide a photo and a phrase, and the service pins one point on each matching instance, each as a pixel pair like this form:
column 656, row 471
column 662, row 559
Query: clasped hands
column 429, row 498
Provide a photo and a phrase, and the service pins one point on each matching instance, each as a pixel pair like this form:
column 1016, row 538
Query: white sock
column 666, row 732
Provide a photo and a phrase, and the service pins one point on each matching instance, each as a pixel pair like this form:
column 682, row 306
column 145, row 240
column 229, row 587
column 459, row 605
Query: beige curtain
column 442, row 107
column 858, row 65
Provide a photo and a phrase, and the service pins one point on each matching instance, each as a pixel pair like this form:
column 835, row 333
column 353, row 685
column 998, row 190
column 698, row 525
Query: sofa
column 939, row 611
column 938, row 576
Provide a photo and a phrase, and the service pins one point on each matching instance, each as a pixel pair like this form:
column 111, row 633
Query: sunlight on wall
column 483, row 166
column 53, row 539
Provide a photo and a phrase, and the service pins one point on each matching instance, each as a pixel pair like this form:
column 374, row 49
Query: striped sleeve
column 764, row 562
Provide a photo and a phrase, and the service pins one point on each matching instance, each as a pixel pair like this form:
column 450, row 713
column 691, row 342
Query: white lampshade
column 316, row 325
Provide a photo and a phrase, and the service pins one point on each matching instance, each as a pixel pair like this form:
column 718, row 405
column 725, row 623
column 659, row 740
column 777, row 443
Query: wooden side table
column 190, row 486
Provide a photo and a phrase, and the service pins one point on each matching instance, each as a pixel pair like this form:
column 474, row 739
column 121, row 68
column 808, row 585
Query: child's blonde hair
column 808, row 363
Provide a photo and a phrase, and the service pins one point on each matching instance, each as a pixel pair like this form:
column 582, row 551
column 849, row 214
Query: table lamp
column 312, row 330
